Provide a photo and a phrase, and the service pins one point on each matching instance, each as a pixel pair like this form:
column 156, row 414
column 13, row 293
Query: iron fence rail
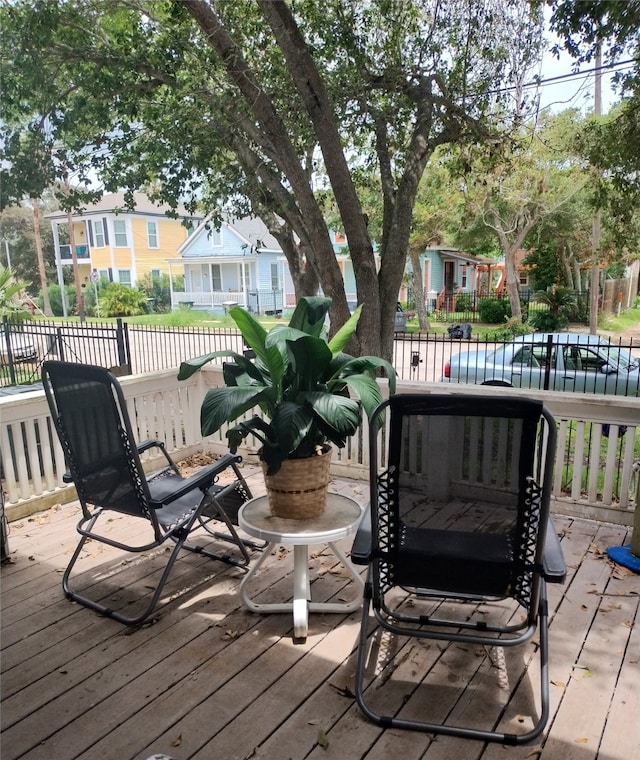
column 137, row 349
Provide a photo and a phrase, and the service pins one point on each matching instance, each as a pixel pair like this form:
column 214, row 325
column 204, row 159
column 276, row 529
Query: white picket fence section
column 594, row 476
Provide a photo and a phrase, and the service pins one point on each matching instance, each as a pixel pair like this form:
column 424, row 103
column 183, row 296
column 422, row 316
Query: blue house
column 448, row 273
column 241, row 263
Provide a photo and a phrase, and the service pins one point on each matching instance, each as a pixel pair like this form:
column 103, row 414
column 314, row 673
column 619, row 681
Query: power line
column 567, row 77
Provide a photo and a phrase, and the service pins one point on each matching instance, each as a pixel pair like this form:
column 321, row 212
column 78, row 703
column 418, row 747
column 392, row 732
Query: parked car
column 554, row 361
column 23, row 348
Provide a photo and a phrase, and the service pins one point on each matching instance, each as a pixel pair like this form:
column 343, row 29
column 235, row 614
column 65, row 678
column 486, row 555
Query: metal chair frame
column 90, row 416
column 383, row 539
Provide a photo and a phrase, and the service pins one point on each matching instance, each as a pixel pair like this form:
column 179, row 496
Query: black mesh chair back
column 89, row 412
column 460, row 493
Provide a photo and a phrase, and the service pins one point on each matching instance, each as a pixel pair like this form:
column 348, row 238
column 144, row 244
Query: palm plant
column 299, row 380
column 560, row 301
column 10, row 290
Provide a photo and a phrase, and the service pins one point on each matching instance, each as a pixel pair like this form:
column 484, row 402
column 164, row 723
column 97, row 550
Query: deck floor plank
column 208, row 678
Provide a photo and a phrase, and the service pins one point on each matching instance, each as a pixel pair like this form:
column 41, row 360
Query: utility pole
column 595, row 239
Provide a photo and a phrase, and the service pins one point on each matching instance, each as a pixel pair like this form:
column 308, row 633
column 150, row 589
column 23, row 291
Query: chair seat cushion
column 454, row 562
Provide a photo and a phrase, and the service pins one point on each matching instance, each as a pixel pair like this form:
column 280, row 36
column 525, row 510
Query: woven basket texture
column 299, row 489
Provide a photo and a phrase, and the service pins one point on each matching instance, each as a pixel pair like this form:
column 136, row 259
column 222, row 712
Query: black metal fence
column 135, row 349
column 474, row 306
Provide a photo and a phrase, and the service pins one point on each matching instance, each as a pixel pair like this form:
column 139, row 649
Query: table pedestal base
column 301, row 605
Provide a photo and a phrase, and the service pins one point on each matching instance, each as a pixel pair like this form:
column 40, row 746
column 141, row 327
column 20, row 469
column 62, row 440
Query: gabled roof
column 456, row 253
column 115, row 203
column 249, row 230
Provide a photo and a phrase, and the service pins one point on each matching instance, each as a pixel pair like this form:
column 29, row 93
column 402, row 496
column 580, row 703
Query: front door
column 449, row 276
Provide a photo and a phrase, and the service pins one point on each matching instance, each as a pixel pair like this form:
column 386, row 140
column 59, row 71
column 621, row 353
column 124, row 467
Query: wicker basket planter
column 299, row 489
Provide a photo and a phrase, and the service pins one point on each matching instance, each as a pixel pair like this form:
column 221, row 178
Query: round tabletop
column 339, row 520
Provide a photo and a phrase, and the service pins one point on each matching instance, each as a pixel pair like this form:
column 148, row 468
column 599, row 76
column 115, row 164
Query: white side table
column 339, row 520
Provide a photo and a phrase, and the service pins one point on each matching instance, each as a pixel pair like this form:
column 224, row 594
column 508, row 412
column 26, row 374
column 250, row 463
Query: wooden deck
column 208, row 679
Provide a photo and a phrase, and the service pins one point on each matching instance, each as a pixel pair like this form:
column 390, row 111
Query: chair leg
column 392, row 721
column 232, row 536
column 107, row 611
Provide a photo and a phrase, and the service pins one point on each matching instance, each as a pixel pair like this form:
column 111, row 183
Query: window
column 215, row 236
column 124, row 277
column 98, row 233
column 463, row 276
column 526, row 357
column 155, row 275
column 152, row 234
column 120, row 233
column 216, row 277
column 104, row 274
column 275, row 276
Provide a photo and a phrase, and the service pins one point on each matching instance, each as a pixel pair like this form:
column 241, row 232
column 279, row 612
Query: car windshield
column 620, row 357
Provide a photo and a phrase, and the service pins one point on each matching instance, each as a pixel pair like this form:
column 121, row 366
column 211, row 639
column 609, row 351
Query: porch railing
column 599, row 442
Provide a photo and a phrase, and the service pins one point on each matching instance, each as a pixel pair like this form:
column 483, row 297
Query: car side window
column 571, row 356
column 525, row 357
column 540, row 354
column 589, row 360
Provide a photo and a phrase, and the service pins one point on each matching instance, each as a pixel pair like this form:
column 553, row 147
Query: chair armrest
column 149, row 444
column 154, row 443
column 361, row 549
column 554, row 569
column 202, row 479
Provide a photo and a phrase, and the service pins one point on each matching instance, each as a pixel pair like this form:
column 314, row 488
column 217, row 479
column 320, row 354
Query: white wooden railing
column 594, row 474
column 209, row 299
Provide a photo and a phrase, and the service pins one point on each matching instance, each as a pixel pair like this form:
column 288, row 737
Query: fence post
column 10, row 365
column 122, row 342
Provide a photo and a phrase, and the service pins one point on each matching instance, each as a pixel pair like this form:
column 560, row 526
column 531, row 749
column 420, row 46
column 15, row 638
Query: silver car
column 553, row 361
column 22, row 347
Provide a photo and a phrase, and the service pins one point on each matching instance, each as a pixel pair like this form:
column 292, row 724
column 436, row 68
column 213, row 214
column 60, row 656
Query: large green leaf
column 345, row 333
column 339, row 412
column 255, row 336
column 191, row 366
column 222, row 405
column 367, row 364
column 292, row 423
column 367, row 390
column 310, row 314
column 311, row 359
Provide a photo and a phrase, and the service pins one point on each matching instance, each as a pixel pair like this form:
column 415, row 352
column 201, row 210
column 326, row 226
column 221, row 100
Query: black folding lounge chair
column 91, row 418
column 459, row 547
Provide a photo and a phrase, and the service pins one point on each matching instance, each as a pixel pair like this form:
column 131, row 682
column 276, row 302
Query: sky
column 576, row 91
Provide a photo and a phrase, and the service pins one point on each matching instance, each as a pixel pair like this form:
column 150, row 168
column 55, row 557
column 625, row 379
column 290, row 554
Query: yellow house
column 119, row 244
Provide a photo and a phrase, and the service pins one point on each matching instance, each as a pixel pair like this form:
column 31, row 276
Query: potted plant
column 301, row 382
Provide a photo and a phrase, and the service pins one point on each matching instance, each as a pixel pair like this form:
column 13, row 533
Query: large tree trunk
column 35, row 204
column 320, row 250
column 418, row 289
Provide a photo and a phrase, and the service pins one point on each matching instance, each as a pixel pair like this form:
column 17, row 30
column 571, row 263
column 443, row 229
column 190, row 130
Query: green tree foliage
column 55, row 299
column 16, row 232
column 510, row 189
column 494, row 311
column 263, row 103
column 158, row 291
column 611, row 143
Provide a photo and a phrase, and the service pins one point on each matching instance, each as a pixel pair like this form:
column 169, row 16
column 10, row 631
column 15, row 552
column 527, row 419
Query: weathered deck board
column 209, row 678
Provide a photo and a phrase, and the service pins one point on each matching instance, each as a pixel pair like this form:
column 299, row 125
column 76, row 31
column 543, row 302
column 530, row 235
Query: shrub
column 494, row 311
column 117, row 300
column 464, row 302
column 512, row 328
column 55, row 299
